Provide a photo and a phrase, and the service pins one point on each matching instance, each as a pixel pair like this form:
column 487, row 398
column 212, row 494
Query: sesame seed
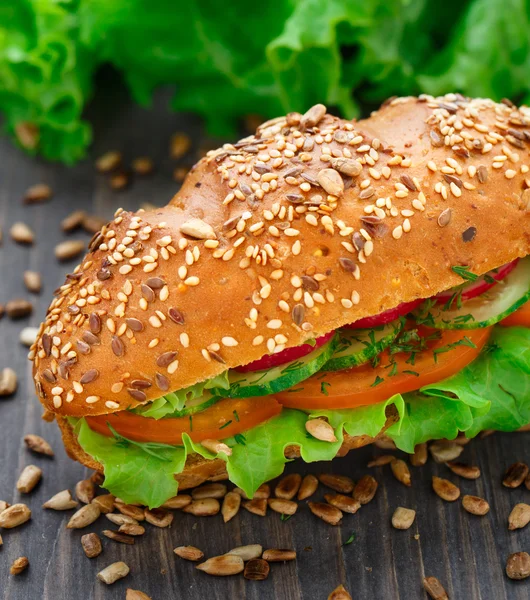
column 229, row 341
column 92, row 399
column 192, row 281
column 510, row 174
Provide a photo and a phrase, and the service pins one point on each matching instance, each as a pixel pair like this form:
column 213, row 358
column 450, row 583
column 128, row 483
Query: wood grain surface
column 466, row 553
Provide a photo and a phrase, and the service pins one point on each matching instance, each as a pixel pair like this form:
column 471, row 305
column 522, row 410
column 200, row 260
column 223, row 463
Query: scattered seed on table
column 40, row 192
column 179, row 145
column 158, row 517
column 230, row 507
column 97, row 477
column 308, row 487
column 4, row 505
column 248, row 552
column 28, row 336
column 131, row 594
column 85, row 490
column 365, row 489
column 29, row 478
column 32, row 281
column 73, row 220
column 284, row 507
column 177, row 502
column 326, row 512
column 113, row 572
column 119, row 519
column 8, row 382
column 136, row 512
column 403, row 518
column 401, row 471
column 519, row 516
column 119, row 181
column 279, row 555
column 116, row 536
column 92, row 223
column 445, row 450
column 105, row 503
column 19, row 565
column 445, row 489
column 91, row 544
column 209, row 490
column 288, row 486
column 61, row 501
column 15, row 515
column 179, row 174
column 69, row 249
column 189, row 553
column 264, row 491
column 475, row 505
column 342, row 502
column 21, row 233
column 518, row 565
column 338, row 483
column 18, row 308
column 419, row 458
column 380, row 461
column 109, row 161
column 142, row 165
column 340, row 593
column 203, row 508
column 434, row 588
column 256, row 506
column 132, row 529
column 463, row 470
column 256, row 569
column 515, row 475
column 221, row 566
column 84, row 517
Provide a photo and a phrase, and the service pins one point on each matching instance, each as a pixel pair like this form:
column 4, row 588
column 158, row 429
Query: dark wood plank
column 467, row 553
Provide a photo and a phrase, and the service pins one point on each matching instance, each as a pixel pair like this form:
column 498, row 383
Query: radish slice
column 385, row 317
column 285, row 356
column 478, row 287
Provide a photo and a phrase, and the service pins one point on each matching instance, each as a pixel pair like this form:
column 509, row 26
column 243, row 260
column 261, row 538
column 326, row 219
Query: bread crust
column 267, row 245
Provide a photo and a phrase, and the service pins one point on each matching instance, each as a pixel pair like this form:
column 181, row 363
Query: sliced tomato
column 225, row 418
column 366, row 384
column 385, row 317
column 519, row 318
column 285, row 356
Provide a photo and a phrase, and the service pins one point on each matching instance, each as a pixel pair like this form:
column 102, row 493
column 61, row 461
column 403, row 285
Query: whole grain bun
column 312, row 223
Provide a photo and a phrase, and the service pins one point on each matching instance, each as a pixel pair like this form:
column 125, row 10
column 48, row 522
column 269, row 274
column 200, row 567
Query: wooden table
column 465, row 552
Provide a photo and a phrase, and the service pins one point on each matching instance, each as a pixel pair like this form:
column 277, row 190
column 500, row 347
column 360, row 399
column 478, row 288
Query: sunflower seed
column 61, row 501
column 119, row 519
column 518, row 565
column 227, row 564
column 197, row 229
column 351, row 168
column 19, row 565
column 288, row 486
column 256, row 506
column 342, row 502
column 247, row 552
column 284, row 507
column 264, row 491
column 339, row 483
column 326, row 512
column 308, row 487
column 159, row 517
column 401, row 471
column 189, row 553
column 92, row 223
column 515, row 475
column 443, row 450
column 29, row 478
column 321, row 430
column 113, row 572
column 32, row 281
column 475, row 505
column 105, row 503
column 331, row 181
column 465, row 471
column 3, row 505
column 85, row 491
column 210, row 490
column 313, row 116
column 382, row 460
column 434, row 588
column 403, row 518
column 203, row 508
column 18, row 308
column 84, row 516
column 339, row 593
column 445, row 489
column 256, row 569
column 73, row 220
column 419, row 458
column 69, row 249
column 109, row 161
column 179, row 145
column 116, row 536
column 519, row 517
column 230, row 507
column 177, row 502
column 279, row 555
column 21, row 233
column 142, row 165
column 15, row 515
column 91, row 544
column 365, row 489
column 131, row 594
column 28, row 336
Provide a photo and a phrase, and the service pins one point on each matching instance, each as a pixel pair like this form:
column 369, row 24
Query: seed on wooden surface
column 401, row 471
column 445, row 489
column 326, row 512
column 32, row 281
column 288, row 486
column 132, row 529
column 308, row 487
column 85, row 490
column 515, row 475
column 230, row 507
column 264, row 491
column 105, row 503
column 8, row 382
column 119, row 519
column 113, row 572
column 91, row 544
column 15, row 515
column 159, row 517
column 321, row 430
column 84, row 516
column 247, row 552
column 179, row 145
column 380, row 461
column 284, row 507
column 21, row 233
column 463, row 470
column 221, row 566
column 475, row 505
column 136, row 512
column 365, row 489
column 177, row 502
column 256, row 569
column 434, row 588
column 61, row 501
column 339, row 483
column 518, row 565
column 339, row 593
column 30, row 476
column 109, row 161
column 189, row 553
column 403, row 518
column 209, row 490
column 216, row 446
column 19, row 565
column 131, row 594
column 40, row 192
column 385, row 443
column 279, row 554
column 142, row 165
column 116, row 536
column 4, row 505
column 256, row 506
column 69, row 249
column 203, row 508
column 1, row 541
column 342, row 502
column 92, row 223
column 73, row 220
column 97, row 477
column 444, row 450
column 18, row 308
column 179, row 173
column 119, row 181
column 27, row 134
column 28, row 335
column 519, row 517
column 419, row 458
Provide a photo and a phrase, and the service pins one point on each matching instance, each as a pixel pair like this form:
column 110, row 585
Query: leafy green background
column 228, row 59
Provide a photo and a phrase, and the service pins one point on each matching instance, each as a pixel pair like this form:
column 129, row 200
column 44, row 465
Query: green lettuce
column 493, row 392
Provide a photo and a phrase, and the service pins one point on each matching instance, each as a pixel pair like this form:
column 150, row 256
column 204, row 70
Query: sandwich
column 312, row 288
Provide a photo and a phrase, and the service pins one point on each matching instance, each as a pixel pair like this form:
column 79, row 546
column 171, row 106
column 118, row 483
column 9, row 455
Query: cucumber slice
column 196, row 405
column 277, row 379
column 358, row 346
column 485, row 310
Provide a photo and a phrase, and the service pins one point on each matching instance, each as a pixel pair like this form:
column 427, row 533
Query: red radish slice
column 384, row 317
column 478, row 287
column 285, row 356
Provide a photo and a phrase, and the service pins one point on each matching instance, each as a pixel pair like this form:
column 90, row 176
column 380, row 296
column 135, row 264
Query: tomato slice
column 225, row 418
column 385, row 317
column 366, row 384
column 519, row 318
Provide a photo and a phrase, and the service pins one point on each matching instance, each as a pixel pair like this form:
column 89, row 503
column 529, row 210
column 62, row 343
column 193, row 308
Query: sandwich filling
column 457, row 362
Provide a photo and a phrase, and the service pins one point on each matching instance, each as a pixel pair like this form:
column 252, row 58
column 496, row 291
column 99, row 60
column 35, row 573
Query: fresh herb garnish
column 323, row 388
column 240, row 439
column 378, row 380
column 148, row 447
column 350, row 539
column 226, row 424
column 285, row 517
column 236, row 416
column 464, row 272
column 465, row 341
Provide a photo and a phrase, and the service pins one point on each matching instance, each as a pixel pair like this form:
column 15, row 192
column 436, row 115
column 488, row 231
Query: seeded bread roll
column 312, row 223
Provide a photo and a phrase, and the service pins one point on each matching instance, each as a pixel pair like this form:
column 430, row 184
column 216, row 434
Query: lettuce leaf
column 493, row 392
